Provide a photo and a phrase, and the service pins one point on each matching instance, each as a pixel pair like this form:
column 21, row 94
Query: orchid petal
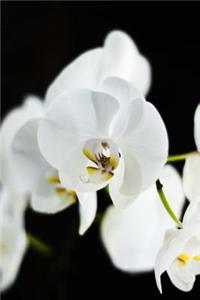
column 191, row 177
column 118, row 57
column 124, row 93
column 144, row 148
column 26, row 153
column 87, row 210
column 34, row 174
column 192, row 214
column 197, row 127
column 32, row 108
column 183, row 280
column 12, row 235
column 81, row 73
column 49, row 199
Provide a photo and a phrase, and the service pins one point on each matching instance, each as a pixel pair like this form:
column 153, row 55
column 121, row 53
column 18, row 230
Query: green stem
column 165, row 203
column 179, row 157
column 99, row 217
column 106, row 189
column 38, row 244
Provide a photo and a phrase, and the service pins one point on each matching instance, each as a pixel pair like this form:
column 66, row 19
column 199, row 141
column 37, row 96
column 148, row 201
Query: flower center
column 105, row 156
column 183, row 258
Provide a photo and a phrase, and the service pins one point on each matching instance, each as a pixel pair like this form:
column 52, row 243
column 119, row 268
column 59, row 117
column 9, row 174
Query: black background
column 38, row 40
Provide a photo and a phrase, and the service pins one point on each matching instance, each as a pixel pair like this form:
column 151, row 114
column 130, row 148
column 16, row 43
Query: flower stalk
column 165, row 203
column 38, row 245
column 180, row 157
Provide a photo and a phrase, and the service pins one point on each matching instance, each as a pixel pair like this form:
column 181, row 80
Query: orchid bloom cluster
column 95, row 130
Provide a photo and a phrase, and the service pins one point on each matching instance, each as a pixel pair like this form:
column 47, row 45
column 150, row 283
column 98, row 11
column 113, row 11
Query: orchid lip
column 61, row 191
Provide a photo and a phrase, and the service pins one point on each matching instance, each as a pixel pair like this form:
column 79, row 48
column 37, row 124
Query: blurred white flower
column 132, row 237
column 12, row 235
column 39, row 178
column 191, row 171
column 31, row 108
column 13, row 199
column 180, row 253
column 113, row 136
column 118, row 57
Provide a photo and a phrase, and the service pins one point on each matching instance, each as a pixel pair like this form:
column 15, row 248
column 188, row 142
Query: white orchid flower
column 12, row 235
column 180, row 253
column 113, row 136
column 119, row 57
column 24, row 169
column 132, row 237
column 191, row 171
column 39, row 178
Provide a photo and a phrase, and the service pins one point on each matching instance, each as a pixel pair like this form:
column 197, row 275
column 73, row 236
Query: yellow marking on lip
column 181, row 262
column 53, row 179
column 114, row 162
column 92, row 170
column 109, row 175
column 196, row 257
column 71, row 193
column 60, row 191
column 183, row 258
column 89, row 155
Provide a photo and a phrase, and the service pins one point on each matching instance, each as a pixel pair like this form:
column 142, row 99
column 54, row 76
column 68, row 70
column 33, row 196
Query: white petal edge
column 191, row 177
column 87, row 210
column 122, row 59
column 12, row 207
column 145, row 150
column 197, row 127
column 32, row 108
column 118, row 57
column 80, row 73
